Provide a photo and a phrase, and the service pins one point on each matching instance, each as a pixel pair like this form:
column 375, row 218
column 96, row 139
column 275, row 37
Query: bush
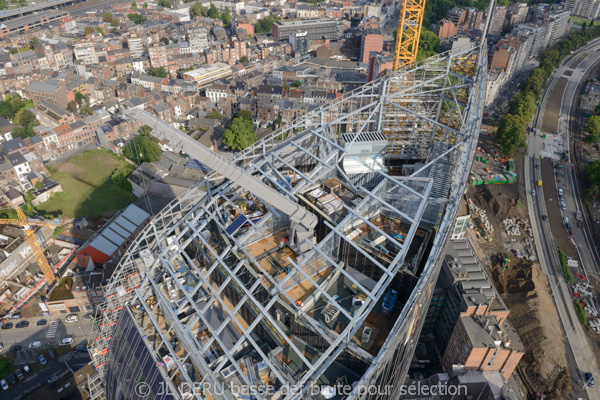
column 119, row 177
column 581, row 313
column 565, row 267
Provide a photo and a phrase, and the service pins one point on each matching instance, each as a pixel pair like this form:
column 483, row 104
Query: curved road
column 581, row 358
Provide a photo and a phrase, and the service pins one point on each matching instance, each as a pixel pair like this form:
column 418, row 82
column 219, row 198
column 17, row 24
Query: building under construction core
column 304, row 266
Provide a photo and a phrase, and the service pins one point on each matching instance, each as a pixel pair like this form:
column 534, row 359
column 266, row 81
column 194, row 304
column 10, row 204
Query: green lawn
column 87, row 188
column 580, row 21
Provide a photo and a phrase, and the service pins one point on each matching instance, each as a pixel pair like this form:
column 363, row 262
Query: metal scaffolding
column 216, row 298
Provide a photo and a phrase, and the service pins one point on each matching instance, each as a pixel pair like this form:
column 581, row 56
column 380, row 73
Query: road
column 581, row 358
column 55, row 330
column 31, row 382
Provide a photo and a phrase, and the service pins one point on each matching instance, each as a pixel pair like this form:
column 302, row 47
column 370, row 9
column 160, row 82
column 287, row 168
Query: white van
column 66, row 341
column 35, row 345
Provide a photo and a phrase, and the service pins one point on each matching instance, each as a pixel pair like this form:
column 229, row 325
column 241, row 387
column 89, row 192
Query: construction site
column 305, row 262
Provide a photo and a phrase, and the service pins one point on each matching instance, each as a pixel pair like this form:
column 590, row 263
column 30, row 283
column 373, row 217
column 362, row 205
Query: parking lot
column 38, row 342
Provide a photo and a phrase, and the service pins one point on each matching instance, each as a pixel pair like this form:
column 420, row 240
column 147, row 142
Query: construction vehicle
column 388, row 302
column 505, row 264
column 36, row 249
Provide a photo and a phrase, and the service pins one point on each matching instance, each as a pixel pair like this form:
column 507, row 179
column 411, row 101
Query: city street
column 55, row 330
column 581, row 359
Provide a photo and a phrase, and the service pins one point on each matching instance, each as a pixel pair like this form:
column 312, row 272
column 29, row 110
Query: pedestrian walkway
column 52, row 329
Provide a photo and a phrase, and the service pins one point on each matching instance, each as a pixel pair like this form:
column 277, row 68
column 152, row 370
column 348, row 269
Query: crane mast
column 409, row 32
column 36, row 249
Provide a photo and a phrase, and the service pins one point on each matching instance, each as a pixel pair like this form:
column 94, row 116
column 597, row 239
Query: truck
column 579, row 218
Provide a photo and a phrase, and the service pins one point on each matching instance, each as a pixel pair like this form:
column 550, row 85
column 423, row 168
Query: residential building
column 589, row 9
column 557, row 27
column 517, row 13
column 447, row 29
column 497, row 20
column 135, row 45
column 198, row 39
column 318, row 29
column 51, row 93
column 371, row 43
column 299, row 42
column 158, row 56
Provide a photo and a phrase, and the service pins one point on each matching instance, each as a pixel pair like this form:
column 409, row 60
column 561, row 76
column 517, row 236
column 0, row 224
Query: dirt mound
column 524, row 288
column 501, row 200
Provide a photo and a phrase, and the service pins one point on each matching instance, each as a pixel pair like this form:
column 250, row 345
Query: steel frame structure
column 185, row 267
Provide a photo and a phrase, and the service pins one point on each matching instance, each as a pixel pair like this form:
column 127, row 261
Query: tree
column 13, row 50
column 16, row 103
column 593, row 125
column 107, row 17
column 33, row 42
column 244, row 59
column 226, row 16
column 142, row 148
column 145, row 130
column 119, row 177
column 6, row 110
column 160, row 72
column 136, row 18
column 79, row 97
column 523, row 104
column 164, row 40
column 593, row 171
column 297, row 84
column 198, row 10
column 215, row 114
column 213, row 12
column 145, row 5
column 264, row 25
column 286, row 86
column 592, row 138
column 88, row 30
column 511, row 134
column 584, row 25
column 72, row 106
column 240, row 133
column 99, row 30
column 164, row 3
column 429, row 44
column 134, row 6
column 24, row 117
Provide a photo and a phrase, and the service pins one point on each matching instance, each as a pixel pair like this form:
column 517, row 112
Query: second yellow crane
column 409, row 32
column 36, row 249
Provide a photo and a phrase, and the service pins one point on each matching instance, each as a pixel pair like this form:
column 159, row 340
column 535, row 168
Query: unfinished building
column 304, row 266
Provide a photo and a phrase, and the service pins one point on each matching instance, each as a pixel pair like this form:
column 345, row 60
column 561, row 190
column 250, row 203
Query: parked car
column 42, row 322
column 35, row 345
column 544, row 218
column 7, row 325
column 566, row 220
column 26, row 369
column 563, row 206
column 533, row 192
column 87, row 317
column 14, row 348
column 42, row 360
column 12, row 379
column 22, row 324
column 19, row 374
column 4, row 384
column 589, row 379
column 51, row 354
column 66, row 341
column 571, row 233
column 560, row 192
column 1, row 346
column 72, row 318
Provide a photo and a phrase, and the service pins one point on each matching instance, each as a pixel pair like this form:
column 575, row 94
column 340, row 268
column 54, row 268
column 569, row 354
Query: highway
column 581, row 358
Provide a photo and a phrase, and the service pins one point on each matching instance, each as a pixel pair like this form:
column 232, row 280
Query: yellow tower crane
column 409, row 32
column 38, row 253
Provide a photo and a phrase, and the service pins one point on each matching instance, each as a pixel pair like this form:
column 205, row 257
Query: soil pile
column 524, row 288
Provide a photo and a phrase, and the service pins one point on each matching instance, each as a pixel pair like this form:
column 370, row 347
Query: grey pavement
column 54, row 331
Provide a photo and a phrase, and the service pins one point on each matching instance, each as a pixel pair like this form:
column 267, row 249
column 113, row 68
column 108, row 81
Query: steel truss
column 199, row 294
